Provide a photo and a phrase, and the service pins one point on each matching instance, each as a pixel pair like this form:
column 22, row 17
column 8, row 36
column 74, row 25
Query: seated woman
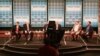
column 27, row 31
column 76, row 30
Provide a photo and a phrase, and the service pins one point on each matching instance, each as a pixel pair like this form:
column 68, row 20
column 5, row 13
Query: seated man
column 76, row 30
column 88, row 32
column 16, row 31
column 27, row 31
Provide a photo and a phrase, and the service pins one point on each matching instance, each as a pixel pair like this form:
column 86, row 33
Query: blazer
column 89, row 30
column 25, row 27
column 14, row 28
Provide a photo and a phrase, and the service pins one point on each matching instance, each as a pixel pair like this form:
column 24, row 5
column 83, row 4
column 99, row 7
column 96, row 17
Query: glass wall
column 73, row 12
column 56, row 11
column 90, row 12
column 21, row 11
column 5, row 13
column 38, row 13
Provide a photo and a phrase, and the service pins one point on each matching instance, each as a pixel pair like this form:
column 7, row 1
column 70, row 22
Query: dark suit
column 88, row 33
column 27, row 32
column 17, row 33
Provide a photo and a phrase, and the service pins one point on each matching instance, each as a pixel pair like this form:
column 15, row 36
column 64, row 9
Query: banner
column 90, row 12
column 38, row 13
column 21, row 11
column 56, row 11
column 73, row 12
column 5, row 13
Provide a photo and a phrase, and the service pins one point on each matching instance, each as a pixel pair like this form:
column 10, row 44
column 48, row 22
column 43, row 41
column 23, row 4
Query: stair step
column 73, row 52
column 72, row 49
column 19, row 52
column 33, row 50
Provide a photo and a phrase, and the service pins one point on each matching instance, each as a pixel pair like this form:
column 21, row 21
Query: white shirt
column 76, row 27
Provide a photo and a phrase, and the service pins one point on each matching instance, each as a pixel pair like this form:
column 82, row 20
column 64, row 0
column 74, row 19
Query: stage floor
column 37, row 43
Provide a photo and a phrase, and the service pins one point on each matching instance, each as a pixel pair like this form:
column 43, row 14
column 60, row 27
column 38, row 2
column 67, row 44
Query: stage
column 9, row 47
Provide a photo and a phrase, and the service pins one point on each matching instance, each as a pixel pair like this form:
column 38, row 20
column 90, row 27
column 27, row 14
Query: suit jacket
column 14, row 28
column 89, row 30
column 25, row 27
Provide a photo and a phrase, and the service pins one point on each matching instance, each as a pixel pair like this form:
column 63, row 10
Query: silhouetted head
column 52, row 25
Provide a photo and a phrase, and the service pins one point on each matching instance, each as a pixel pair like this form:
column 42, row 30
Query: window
column 56, row 11
column 21, row 11
column 38, row 13
column 5, row 13
column 73, row 12
column 90, row 12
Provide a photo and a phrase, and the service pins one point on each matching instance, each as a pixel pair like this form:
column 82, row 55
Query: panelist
column 27, row 31
column 88, row 31
column 16, row 31
column 76, row 30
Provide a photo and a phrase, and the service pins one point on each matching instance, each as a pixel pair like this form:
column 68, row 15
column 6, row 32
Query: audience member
column 88, row 32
